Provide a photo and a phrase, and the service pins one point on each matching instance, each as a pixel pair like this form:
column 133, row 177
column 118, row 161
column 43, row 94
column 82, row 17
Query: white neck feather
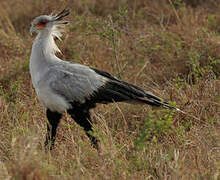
column 43, row 53
column 45, row 41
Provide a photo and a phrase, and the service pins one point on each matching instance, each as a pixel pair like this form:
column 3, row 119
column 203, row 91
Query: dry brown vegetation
column 171, row 48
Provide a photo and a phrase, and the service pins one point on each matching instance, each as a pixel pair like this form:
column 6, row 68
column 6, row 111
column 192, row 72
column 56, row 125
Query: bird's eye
column 43, row 22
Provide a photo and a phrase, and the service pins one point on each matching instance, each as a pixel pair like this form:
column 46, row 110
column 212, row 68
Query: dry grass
column 171, row 48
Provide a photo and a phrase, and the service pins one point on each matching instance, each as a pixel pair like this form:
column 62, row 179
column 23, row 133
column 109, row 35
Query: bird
column 74, row 88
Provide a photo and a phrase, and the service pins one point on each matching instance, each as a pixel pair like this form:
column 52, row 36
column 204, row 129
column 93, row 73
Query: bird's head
column 47, row 22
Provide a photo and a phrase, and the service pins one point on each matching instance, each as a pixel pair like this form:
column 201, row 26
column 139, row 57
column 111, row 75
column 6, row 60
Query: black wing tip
column 136, row 93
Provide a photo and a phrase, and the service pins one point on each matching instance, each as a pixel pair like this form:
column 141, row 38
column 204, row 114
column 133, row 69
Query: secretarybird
column 62, row 86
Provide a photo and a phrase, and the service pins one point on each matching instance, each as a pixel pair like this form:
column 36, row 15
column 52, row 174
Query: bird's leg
column 82, row 117
column 53, row 122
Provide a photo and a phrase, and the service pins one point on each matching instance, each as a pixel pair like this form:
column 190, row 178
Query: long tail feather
column 116, row 90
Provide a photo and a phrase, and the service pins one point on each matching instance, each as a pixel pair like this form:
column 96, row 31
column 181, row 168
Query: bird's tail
column 116, row 90
column 154, row 100
column 149, row 98
column 120, row 91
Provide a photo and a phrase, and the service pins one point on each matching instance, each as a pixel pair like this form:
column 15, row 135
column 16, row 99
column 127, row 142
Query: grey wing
column 74, row 82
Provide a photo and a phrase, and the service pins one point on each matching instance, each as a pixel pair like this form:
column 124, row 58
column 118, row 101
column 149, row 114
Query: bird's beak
column 32, row 29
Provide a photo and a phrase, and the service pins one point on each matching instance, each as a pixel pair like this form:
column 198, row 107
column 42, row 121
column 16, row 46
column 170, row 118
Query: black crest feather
column 62, row 14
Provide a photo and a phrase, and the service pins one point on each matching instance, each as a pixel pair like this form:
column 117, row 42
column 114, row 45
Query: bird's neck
column 42, row 55
column 45, row 43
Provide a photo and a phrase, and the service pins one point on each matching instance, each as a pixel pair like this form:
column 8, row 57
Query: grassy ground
column 171, row 48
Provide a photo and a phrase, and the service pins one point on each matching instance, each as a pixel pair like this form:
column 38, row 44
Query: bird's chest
column 36, row 79
column 49, row 99
column 38, row 69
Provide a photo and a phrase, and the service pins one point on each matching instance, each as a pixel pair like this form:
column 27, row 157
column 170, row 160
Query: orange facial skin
column 41, row 25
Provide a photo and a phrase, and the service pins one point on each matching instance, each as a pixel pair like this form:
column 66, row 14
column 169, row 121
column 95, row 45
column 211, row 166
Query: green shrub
column 155, row 126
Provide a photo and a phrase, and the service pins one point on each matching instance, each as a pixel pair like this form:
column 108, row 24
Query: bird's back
column 63, row 82
column 73, row 81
